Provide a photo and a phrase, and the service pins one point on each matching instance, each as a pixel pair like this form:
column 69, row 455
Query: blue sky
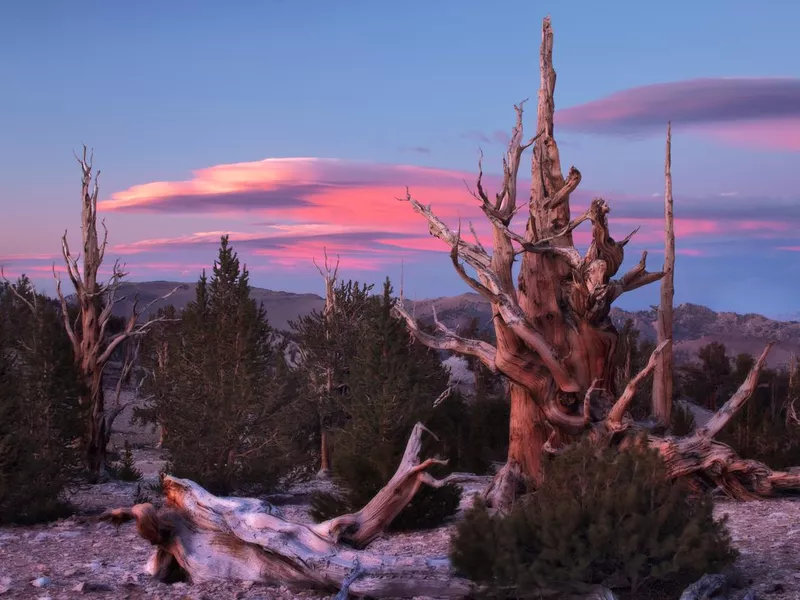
column 164, row 89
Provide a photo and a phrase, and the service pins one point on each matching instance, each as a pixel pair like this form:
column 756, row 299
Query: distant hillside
column 695, row 325
column 281, row 307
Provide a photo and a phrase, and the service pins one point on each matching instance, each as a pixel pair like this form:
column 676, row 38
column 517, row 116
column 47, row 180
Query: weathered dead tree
column 92, row 346
column 555, row 342
column 662, row 378
column 704, row 460
column 201, row 537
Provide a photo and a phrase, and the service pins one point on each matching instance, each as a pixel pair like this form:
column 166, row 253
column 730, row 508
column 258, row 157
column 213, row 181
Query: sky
column 294, row 126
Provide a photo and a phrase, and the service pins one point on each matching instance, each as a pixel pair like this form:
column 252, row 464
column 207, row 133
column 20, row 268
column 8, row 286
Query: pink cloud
column 289, row 184
column 350, row 208
column 756, row 112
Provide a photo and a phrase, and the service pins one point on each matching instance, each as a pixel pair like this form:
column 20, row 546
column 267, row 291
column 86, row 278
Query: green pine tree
column 216, row 384
column 328, row 345
column 392, row 384
column 41, row 420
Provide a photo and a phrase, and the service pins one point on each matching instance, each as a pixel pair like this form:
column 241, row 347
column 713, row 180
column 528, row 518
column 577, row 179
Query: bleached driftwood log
column 199, row 536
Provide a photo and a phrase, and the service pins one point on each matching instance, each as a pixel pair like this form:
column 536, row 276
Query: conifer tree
column 215, row 383
column 41, row 421
column 328, row 342
column 392, row 385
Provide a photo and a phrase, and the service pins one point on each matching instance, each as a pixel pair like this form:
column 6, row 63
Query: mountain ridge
column 694, row 325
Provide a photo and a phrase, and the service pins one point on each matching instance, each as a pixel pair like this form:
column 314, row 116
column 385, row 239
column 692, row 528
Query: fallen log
column 200, row 537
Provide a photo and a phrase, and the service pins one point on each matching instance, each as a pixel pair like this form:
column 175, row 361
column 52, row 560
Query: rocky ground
column 81, row 557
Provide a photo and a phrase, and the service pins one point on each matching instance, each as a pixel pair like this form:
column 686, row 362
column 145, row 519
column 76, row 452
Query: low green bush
column 600, row 516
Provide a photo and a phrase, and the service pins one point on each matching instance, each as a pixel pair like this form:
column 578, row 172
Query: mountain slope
column 281, row 307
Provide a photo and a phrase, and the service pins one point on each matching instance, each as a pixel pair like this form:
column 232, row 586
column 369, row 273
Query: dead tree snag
column 329, row 314
column 91, row 345
column 662, row 379
column 554, row 337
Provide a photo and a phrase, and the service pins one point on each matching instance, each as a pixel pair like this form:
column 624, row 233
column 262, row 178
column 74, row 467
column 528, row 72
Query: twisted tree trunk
column 555, row 340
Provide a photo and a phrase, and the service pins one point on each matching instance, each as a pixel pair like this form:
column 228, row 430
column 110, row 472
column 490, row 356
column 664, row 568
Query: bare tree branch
column 448, row 339
column 131, row 328
column 638, row 276
column 76, row 348
column 571, row 184
column 614, row 418
column 720, row 418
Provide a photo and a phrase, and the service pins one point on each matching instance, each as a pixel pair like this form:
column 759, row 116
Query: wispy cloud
column 758, row 112
column 415, row 149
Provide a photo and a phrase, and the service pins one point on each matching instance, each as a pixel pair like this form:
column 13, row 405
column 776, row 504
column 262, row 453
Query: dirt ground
column 80, row 557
